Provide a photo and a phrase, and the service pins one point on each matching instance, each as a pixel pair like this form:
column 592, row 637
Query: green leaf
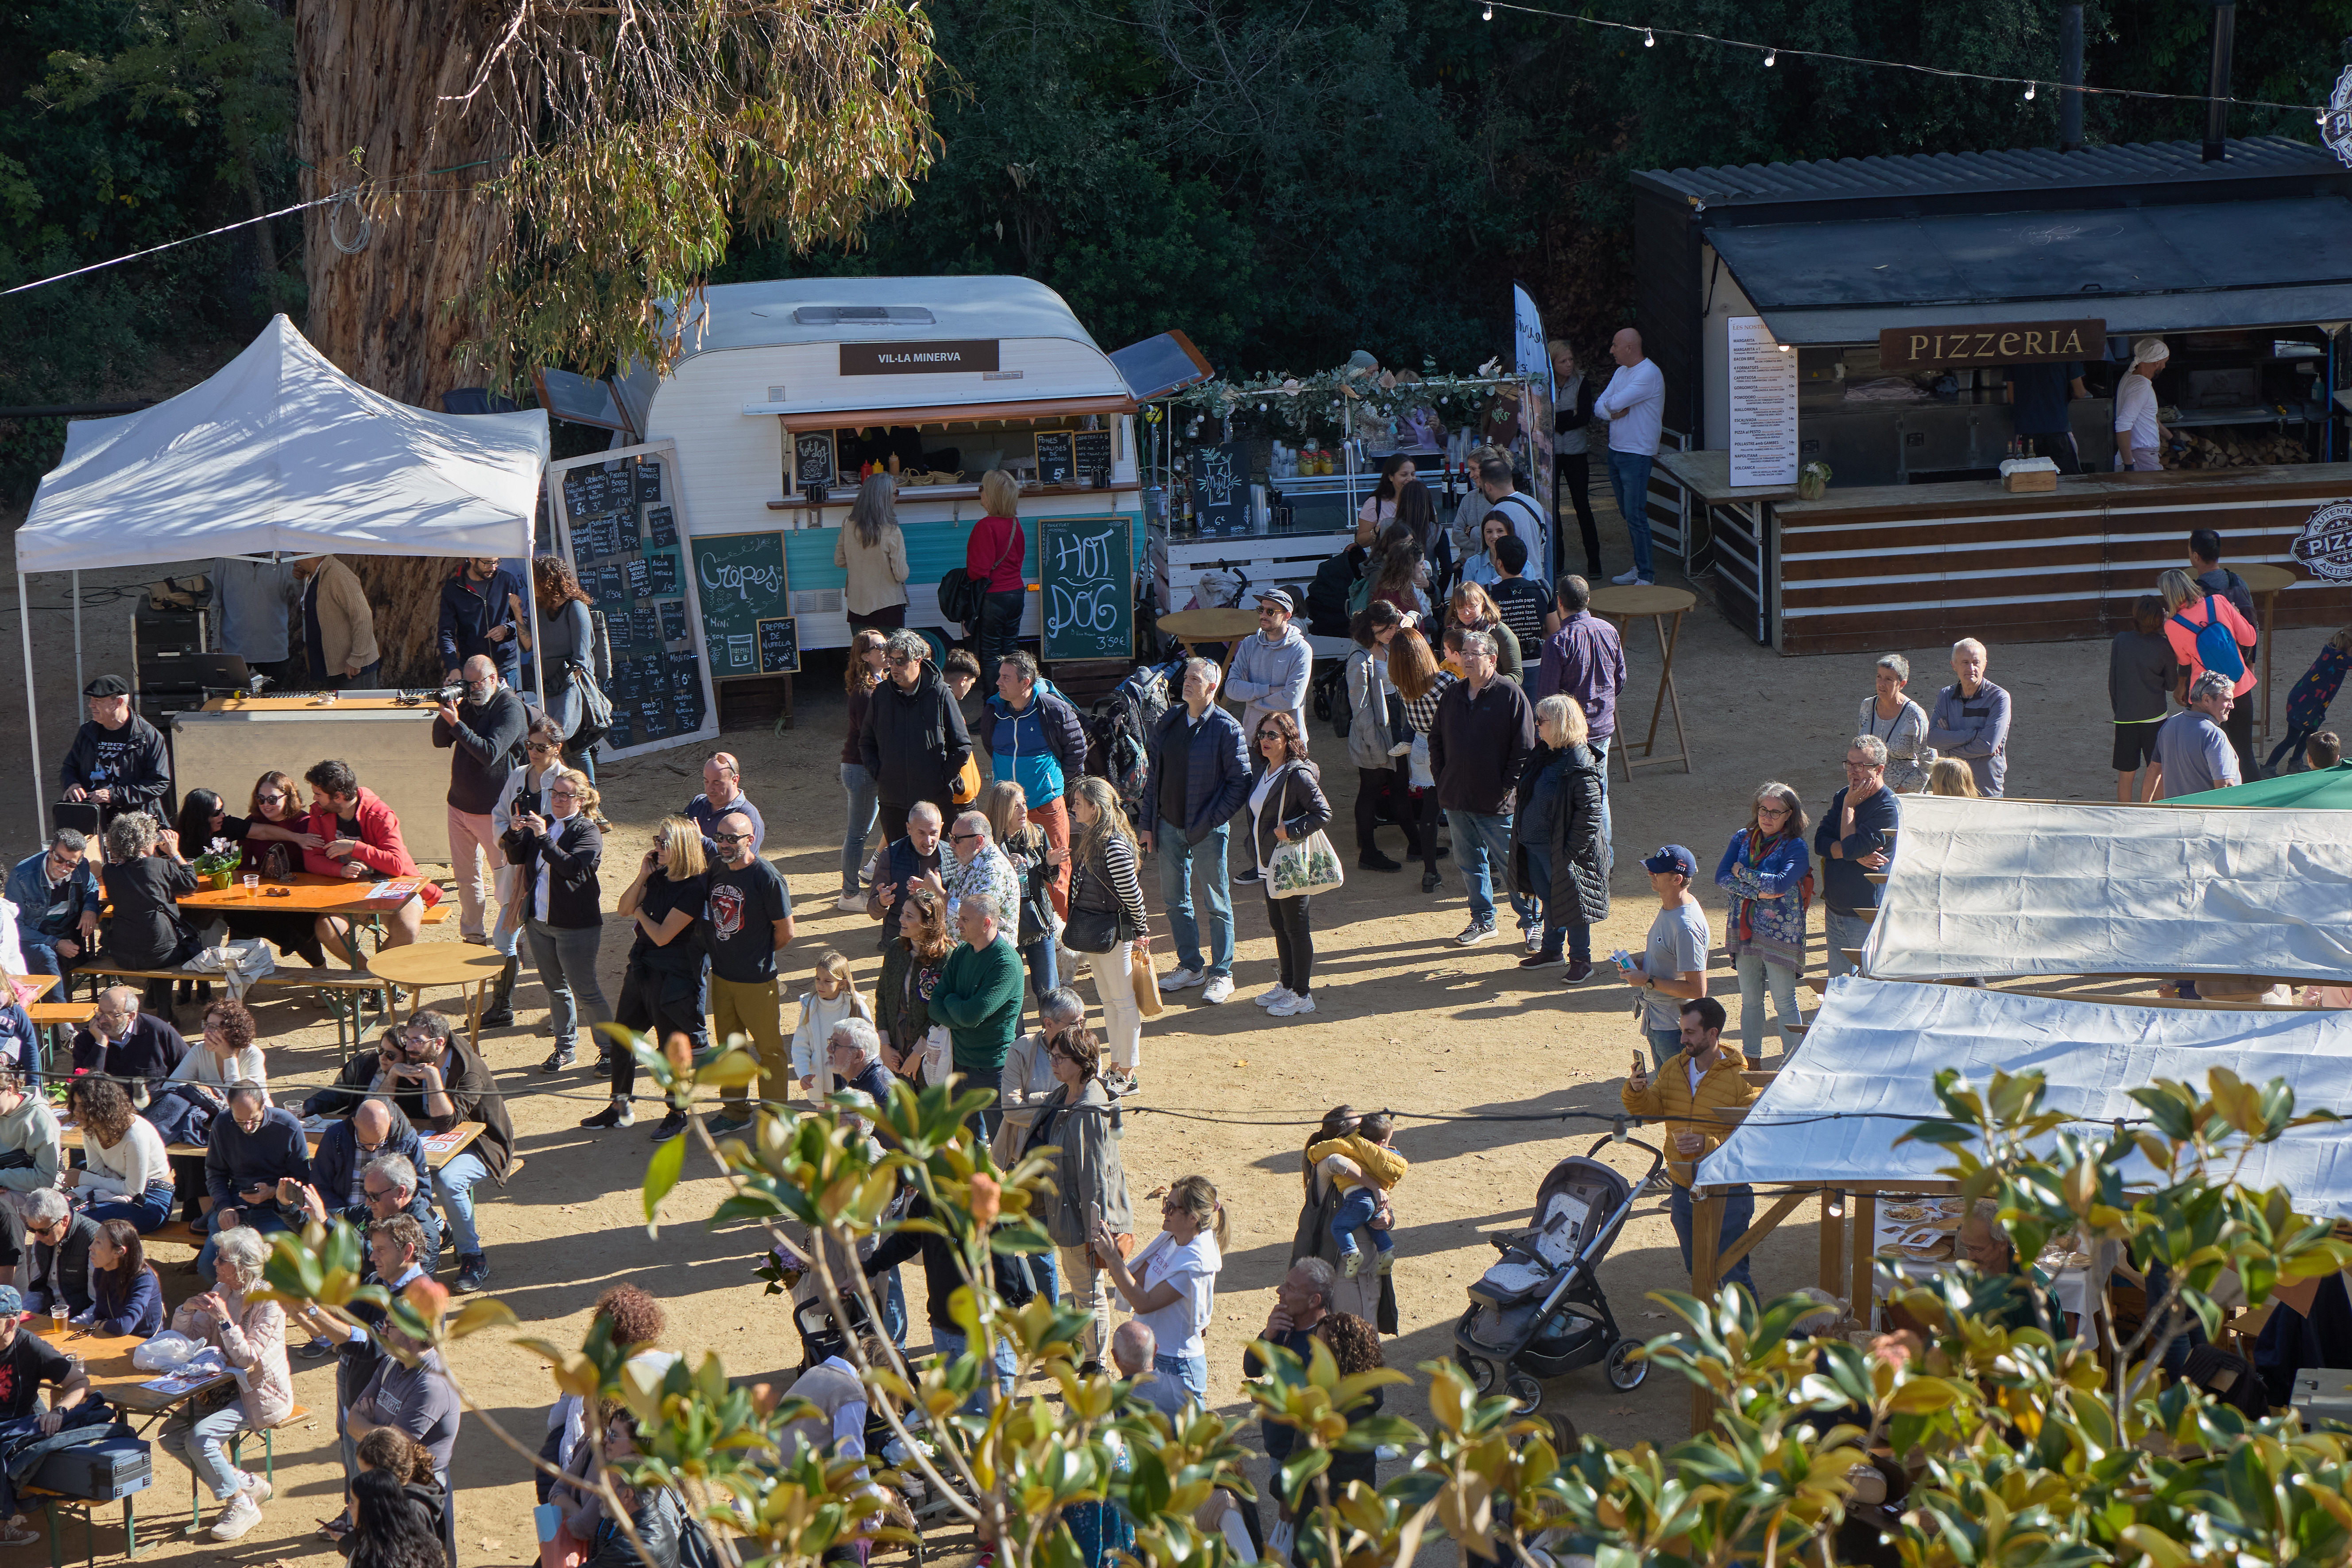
column 662, row 1173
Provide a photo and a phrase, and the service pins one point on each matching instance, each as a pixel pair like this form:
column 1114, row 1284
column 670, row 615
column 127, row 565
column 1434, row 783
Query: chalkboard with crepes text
column 1085, row 567
column 741, row 580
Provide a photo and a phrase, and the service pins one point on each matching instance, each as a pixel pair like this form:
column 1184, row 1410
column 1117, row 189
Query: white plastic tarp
column 2001, row 888
column 281, row 450
column 1866, row 1075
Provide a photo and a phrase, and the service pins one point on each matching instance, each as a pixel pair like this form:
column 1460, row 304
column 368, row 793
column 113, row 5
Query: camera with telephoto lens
column 452, row 694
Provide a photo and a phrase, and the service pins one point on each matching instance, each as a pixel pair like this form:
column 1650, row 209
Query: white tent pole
column 80, row 679
column 538, row 632
column 32, row 714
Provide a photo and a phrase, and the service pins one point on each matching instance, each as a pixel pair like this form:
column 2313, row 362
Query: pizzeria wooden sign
column 1999, row 343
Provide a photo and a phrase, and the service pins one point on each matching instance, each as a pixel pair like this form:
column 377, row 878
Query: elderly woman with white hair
column 1901, row 723
column 252, row 1339
column 1971, row 719
column 1559, row 856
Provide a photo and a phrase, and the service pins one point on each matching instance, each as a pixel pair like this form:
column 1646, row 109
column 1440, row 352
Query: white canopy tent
column 279, row 451
column 1867, row 1072
column 2007, row 887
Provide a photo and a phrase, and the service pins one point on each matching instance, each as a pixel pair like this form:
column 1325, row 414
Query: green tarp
column 2328, row 789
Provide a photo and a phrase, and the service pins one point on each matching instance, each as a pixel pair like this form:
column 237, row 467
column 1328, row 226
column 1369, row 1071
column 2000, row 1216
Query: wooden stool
column 1661, row 604
column 2264, row 581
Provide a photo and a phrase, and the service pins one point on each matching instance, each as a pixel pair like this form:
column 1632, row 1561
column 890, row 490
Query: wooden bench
column 345, row 994
column 54, row 1502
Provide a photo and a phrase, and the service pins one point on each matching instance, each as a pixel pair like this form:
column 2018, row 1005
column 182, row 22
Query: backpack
column 961, row 595
column 2216, row 647
column 1328, row 595
column 1121, row 722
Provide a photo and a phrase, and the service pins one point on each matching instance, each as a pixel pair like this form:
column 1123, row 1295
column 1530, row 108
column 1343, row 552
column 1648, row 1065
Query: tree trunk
column 374, row 76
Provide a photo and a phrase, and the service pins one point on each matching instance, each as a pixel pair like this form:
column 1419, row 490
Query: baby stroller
column 918, row 1501
column 1539, row 1312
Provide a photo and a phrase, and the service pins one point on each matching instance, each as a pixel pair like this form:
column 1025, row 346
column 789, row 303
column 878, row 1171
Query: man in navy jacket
column 255, row 1148
column 1854, row 840
column 1197, row 776
column 479, row 606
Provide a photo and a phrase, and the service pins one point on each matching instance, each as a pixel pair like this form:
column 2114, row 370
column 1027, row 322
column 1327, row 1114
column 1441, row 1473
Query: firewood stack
column 2250, row 448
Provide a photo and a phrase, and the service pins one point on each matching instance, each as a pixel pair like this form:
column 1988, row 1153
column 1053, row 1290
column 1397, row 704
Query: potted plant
column 217, row 867
column 1811, row 480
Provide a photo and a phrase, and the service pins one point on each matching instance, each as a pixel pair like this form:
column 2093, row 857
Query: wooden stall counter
column 1877, row 567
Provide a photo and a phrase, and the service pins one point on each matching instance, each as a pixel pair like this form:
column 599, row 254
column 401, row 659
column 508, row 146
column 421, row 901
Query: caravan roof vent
column 877, row 314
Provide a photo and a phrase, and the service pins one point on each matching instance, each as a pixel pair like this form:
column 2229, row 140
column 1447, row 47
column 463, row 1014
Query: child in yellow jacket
column 1367, row 1195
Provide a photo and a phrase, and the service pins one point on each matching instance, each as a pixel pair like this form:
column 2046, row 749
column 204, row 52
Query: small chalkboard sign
column 612, row 592
column 1094, row 455
column 644, row 628
column 672, row 620
column 1057, row 456
column 661, row 574
column 648, row 480
column 813, row 460
column 640, row 578
column 653, row 714
column 780, row 646
column 661, row 526
column 1221, row 491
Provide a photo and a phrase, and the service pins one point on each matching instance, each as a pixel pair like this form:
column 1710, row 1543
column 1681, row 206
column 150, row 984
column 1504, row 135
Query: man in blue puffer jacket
column 1034, row 738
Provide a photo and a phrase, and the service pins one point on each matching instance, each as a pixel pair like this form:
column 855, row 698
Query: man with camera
column 479, row 727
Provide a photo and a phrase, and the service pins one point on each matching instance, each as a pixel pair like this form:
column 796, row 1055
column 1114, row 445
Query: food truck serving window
column 1047, row 449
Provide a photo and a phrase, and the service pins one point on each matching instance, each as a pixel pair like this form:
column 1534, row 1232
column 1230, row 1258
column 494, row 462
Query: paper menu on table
column 399, row 891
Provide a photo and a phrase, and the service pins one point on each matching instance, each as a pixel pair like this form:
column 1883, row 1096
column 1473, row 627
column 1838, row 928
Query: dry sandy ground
column 1408, row 1020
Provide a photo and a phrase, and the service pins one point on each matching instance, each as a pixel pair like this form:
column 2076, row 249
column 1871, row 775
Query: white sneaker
column 1274, row 997
column 1629, row 575
column 1349, row 1263
column 1219, row 989
column 1292, row 1008
column 241, row 1515
column 256, row 1486
column 1534, row 935
column 1181, row 979
column 850, row 903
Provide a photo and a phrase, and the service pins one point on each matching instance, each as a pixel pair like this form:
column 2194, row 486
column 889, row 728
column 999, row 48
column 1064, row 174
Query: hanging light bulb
column 1649, row 39
column 1771, row 56
column 1837, row 1205
column 1490, row 10
column 2028, row 91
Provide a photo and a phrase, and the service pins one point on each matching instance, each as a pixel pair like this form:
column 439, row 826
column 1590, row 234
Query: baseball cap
column 107, row 686
column 1278, row 596
column 12, row 1304
column 1673, row 857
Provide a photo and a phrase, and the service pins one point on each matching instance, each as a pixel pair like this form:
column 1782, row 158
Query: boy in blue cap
column 1671, row 969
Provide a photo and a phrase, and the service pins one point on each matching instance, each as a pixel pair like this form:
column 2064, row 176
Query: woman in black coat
column 146, row 877
column 1286, row 804
column 1559, row 856
column 556, row 859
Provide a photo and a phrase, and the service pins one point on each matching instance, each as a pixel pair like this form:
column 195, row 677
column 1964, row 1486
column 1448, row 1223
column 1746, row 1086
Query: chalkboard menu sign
column 1057, row 456
column 661, row 571
column 779, row 645
column 628, row 530
column 813, row 459
column 740, row 578
column 1094, row 454
column 1221, row 492
column 1086, row 566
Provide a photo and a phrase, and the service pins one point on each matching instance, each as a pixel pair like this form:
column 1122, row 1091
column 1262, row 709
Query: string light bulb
column 1771, row 56
column 1490, row 10
column 2028, row 91
column 1837, row 1205
column 1649, row 39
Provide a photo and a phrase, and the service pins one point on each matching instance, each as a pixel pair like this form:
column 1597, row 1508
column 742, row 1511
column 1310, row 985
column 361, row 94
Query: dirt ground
column 1407, row 1020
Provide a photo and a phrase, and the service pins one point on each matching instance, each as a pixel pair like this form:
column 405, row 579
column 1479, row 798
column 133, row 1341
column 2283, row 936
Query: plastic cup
column 252, row 884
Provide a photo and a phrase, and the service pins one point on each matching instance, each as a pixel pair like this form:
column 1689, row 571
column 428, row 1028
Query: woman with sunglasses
column 555, row 854
column 1768, row 872
column 1089, row 1178
column 529, row 789
column 273, row 834
column 664, row 989
column 567, row 641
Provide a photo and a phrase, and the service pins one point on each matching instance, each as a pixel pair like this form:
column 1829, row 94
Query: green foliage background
column 1285, row 181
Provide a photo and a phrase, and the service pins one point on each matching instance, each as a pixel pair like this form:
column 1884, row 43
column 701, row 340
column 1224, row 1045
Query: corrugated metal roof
column 1963, row 173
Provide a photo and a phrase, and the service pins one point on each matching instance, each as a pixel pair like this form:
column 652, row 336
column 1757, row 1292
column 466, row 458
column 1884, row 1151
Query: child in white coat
column 833, row 996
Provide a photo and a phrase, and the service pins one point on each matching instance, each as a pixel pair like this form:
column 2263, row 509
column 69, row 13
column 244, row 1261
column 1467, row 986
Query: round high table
column 1665, row 607
column 2264, row 581
column 1225, row 623
column 426, row 965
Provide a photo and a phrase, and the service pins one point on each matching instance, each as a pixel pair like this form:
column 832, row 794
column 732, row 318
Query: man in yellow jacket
column 1697, row 1081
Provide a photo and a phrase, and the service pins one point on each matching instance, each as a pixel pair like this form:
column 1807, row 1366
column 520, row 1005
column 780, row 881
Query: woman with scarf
column 1767, row 872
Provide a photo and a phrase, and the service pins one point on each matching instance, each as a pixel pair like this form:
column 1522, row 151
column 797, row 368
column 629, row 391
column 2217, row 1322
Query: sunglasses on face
column 542, row 748
column 270, row 800
column 965, row 838
column 378, row 1193
column 731, row 838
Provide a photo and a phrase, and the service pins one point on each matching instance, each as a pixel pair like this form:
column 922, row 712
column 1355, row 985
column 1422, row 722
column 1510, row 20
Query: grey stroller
column 1540, row 1311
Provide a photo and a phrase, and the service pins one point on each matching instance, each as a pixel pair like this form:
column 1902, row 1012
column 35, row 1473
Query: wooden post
column 1707, row 1234
column 1833, row 1243
column 1861, row 1217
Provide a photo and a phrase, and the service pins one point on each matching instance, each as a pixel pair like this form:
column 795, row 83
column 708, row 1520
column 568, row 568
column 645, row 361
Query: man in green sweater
column 978, row 997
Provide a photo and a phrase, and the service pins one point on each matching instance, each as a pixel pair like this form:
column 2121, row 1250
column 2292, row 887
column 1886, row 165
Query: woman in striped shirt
column 1106, row 882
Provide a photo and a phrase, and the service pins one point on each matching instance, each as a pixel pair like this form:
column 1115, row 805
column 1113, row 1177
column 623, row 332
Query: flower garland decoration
column 1307, row 404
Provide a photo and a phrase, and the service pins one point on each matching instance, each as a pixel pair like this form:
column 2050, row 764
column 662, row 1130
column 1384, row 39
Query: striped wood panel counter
column 1892, row 566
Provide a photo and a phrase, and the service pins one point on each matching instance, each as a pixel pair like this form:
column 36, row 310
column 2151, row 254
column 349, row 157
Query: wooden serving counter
column 1871, row 567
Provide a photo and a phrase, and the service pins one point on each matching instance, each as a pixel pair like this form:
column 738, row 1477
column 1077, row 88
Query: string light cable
column 1651, row 33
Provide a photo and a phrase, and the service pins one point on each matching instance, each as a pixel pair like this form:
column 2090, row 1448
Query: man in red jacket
column 362, row 839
